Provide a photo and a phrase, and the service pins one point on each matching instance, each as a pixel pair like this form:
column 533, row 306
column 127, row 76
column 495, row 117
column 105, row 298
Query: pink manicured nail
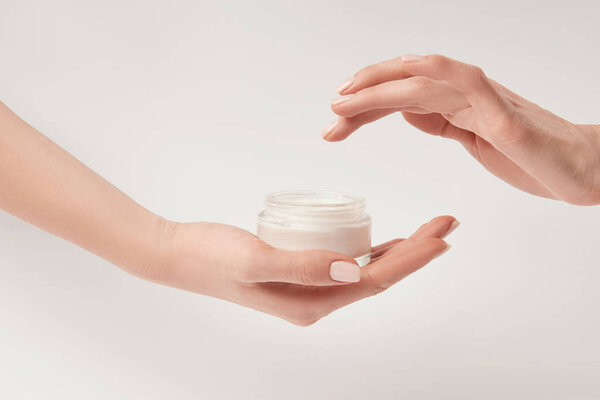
column 410, row 58
column 343, row 271
column 451, row 229
column 345, row 85
column 329, row 128
column 341, row 100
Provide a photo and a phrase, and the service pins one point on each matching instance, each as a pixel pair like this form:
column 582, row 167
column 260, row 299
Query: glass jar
column 299, row 220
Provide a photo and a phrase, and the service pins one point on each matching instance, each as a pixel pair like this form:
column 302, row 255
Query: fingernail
column 345, row 85
column 451, row 229
column 329, row 128
column 341, row 100
column 343, row 271
column 410, row 58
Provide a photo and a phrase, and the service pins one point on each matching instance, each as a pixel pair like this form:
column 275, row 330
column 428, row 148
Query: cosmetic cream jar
column 297, row 220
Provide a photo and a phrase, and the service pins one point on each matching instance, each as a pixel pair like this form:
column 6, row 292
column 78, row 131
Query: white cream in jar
column 298, row 220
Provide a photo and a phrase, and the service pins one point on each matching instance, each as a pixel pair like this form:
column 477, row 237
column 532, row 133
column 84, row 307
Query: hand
column 211, row 259
column 299, row 286
column 516, row 140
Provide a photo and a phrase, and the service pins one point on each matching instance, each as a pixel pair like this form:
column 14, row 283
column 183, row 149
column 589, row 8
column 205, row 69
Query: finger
column 304, row 305
column 389, row 70
column 344, row 127
column 307, row 267
column 377, row 251
column 432, row 123
column 385, row 245
column 399, row 262
column 380, row 252
column 469, row 79
column 404, row 258
column 439, row 227
column 421, row 92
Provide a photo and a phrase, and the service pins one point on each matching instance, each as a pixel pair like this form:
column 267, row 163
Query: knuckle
column 300, row 271
column 421, row 82
column 438, row 61
column 420, row 85
column 476, row 75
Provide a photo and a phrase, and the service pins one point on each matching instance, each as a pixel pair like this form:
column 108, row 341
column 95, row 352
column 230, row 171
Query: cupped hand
column 516, row 140
column 299, row 286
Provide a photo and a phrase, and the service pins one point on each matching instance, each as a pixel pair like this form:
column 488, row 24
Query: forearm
column 45, row 186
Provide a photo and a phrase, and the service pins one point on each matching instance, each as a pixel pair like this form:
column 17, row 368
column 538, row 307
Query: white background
column 197, row 109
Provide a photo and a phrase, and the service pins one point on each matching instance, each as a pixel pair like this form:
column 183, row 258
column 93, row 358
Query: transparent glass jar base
column 317, row 220
column 363, row 260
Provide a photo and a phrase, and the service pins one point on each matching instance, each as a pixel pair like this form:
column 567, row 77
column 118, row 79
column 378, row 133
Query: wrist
column 180, row 253
column 148, row 252
column 157, row 254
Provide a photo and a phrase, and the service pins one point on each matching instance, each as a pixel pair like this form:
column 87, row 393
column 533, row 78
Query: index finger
column 371, row 75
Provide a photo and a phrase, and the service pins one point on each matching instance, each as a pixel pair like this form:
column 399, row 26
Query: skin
column 45, row 186
column 529, row 147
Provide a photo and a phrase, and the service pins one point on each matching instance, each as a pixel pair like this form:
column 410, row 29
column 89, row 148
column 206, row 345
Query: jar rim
column 317, row 200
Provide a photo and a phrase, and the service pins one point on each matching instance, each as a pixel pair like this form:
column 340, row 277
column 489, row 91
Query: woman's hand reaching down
column 516, row 140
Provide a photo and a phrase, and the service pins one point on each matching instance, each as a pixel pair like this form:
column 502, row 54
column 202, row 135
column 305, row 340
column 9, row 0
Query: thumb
column 308, row 267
